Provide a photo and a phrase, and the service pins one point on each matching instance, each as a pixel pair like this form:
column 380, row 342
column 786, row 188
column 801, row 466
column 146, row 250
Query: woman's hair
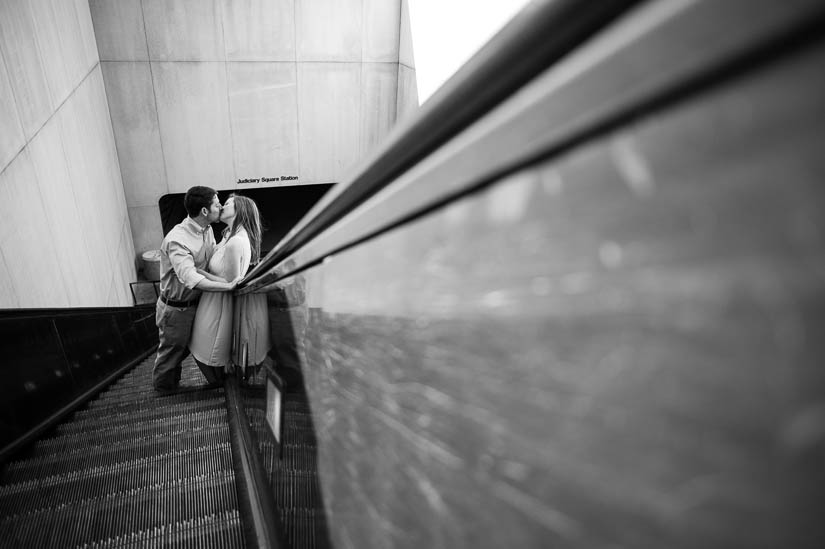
column 248, row 217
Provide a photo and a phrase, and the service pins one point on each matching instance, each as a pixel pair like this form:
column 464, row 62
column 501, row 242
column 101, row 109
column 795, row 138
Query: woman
column 211, row 342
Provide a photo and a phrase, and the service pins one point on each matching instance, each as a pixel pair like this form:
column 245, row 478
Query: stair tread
column 140, row 427
column 134, row 468
column 112, row 478
column 215, row 530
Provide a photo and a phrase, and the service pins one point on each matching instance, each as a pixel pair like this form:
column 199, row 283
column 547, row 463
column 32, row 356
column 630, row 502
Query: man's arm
column 184, row 265
column 214, row 286
column 210, row 276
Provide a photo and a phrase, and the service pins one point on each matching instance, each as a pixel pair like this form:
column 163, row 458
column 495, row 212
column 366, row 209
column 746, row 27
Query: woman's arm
column 236, row 257
column 232, row 259
column 210, row 276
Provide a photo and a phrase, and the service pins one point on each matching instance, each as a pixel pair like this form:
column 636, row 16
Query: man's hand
column 210, row 276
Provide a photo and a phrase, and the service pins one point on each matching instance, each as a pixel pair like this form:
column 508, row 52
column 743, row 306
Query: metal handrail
column 262, row 524
column 52, row 312
column 542, row 33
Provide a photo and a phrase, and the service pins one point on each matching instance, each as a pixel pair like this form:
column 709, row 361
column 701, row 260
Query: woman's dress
column 252, row 327
column 211, row 341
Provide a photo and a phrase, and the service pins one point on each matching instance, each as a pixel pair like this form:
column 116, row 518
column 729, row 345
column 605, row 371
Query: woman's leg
column 213, row 375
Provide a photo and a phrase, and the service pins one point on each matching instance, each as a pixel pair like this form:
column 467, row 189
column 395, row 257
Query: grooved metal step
column 219, row 531
column 64, row 441
column 86, row 420
column 111, row 478
column 135, row 469
column 109, row 516
column 82, row 458
column 132, row 469
column 292, row 469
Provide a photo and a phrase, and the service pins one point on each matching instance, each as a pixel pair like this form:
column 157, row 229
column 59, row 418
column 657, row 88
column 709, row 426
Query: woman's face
column 228, row 212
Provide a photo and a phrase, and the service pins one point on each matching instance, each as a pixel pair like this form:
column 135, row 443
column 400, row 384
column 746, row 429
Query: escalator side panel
column 615, row 346
column 49, row 360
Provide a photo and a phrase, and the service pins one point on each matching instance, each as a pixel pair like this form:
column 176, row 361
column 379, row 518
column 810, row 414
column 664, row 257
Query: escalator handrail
column 52, row 312
column 262, row 524
column 542, row 33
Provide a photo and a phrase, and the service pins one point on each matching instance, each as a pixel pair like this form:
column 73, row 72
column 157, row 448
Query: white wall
column 65, row 237
column 408, row 102
column 447, row 33
column 200, row 92
column 214, row 92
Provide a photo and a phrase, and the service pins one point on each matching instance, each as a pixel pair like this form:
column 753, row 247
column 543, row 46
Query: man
column 186, row 249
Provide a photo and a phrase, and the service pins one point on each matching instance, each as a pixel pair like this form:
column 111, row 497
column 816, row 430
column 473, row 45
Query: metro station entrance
column 281, row 208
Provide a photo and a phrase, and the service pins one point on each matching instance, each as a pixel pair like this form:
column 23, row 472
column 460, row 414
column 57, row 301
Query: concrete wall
column 226, row 93
column 408, row 102
column 65, row 238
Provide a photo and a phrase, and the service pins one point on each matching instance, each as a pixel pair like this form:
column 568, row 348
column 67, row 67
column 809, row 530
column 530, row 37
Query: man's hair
column 197, row 198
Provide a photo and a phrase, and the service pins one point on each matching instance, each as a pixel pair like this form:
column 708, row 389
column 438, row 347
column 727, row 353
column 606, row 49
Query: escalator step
column 131, row 469
column 298, row 430
column 294, row 458
column 107, row 454
column 138, row 428
column 219, row 531
column 305, row 528
column 113, row 478
column 121, row 409
column 292, row 469
column 298, row 490
column 86, row 420
column 144, row 509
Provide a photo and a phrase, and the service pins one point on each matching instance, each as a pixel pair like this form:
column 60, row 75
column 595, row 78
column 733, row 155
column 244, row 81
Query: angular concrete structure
column 237, row 95
column 65, row 236
column 215, row 92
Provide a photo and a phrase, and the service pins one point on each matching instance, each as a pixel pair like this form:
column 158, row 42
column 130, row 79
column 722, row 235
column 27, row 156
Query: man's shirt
column 187, row 248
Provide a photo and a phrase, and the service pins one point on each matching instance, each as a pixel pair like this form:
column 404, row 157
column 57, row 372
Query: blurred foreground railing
column 585, row 312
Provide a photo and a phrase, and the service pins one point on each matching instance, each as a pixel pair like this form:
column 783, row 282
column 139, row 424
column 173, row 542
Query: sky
column 446, row 33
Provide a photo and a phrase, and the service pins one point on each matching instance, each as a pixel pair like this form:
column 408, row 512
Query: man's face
column 214, row 210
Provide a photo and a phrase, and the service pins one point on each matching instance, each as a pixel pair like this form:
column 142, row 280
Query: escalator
column 572, row 303
column 134, row 469
column 291, row 467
